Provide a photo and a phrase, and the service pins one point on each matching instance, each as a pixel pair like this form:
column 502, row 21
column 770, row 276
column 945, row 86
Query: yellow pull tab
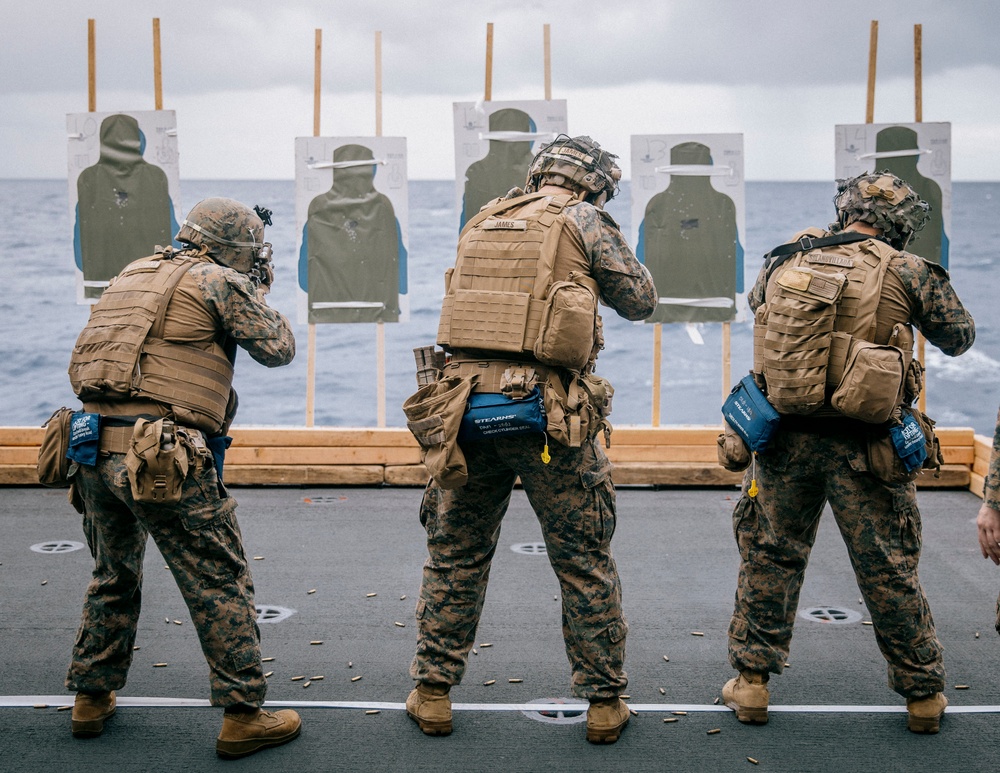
column 545, row 453
column 753, row 490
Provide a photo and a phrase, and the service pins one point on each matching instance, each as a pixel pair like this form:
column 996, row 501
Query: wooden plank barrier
column 335, row 456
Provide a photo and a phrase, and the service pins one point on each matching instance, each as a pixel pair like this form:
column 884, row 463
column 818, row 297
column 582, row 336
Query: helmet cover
column 231, row 233
column 883, row 201
column 580, row 161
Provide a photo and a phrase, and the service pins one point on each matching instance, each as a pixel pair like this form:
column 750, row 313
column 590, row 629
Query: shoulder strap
column 783, row 252
column 156, row 331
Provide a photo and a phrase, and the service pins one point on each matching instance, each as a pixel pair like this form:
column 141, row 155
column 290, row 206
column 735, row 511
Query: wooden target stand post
column 379, row 326
column 918, row 109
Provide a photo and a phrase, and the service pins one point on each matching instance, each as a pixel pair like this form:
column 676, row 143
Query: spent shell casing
column 666, row 659
column 370, row 595
column 752, row 761
column 697, row 633
column 316, row 641
column 41, row 705
column 373, row 711
column 714, row 731
column 485, row 644
column 633, row 712
column 159, row 665
column 625, row 697
column 961, row 687
column 350, row 664
column 866, row 622
column 269, row 674
column 475, row 651
column 402, row 597
column 45, row 582
column 670, row 719
column 355, row 678
column 64, row 708
column 316, row 678
column 166, row 620
column 399, row 624
column 488, row 682
column 977, row 634
column 662, row 691
column 715, row 702
column 266, row 660
column 258, row 558
column 135, row 648
column 306, row 684
column 178, row 622
column 679, row 713
column 298, row 678
column 310, row 591
column 515, row 681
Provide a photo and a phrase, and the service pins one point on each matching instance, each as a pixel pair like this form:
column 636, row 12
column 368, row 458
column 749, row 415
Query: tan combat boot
column 89, row 712
column 924, row 714
column 606, row 719
column 244, row 734
column 748, row 696
column 430, row 707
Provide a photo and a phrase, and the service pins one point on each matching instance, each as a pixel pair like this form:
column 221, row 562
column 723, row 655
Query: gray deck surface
column 677, row 558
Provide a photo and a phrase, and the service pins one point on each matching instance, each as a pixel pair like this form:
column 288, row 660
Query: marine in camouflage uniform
column 988, row 520
column 572, row 496
column 198, row 536
column 812, row 461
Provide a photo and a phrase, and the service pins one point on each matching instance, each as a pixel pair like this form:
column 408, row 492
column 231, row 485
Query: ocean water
column 40, row 319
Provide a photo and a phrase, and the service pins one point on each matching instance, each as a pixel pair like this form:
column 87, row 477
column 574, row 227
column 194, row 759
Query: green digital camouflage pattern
column 200, row 541
column 242, row 314
column 198, row 537
column 574, row 500
column 626, row 285
column 991, row 489
column 798, row 474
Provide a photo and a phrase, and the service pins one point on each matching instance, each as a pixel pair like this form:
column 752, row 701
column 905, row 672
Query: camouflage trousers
column 797, row 475
column 574, row 500
column 200, row 541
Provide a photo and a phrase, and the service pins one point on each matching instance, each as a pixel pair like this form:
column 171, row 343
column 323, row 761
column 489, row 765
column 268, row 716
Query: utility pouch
column 872, row 383
column 910, row 443
column 750, row 415
column 84, row 438
column 53, row 465
column 434, row 413
column 492, row 415
column 578, row 412
column 732, row 450
column 568, row 326
column 157, row 463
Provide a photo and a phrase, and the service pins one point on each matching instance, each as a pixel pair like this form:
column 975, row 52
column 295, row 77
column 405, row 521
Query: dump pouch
column 434, row 413
column 156, row 462
column 53, row 465
column 748, row 412
column 915, row 433
column 496, row 415
column 872, row 384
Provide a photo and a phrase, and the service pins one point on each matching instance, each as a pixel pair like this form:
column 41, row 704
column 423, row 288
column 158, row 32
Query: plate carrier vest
column 513, row 291
column 814, row 336
column 120, row 354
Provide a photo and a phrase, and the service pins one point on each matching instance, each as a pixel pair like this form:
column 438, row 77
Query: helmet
column 580, row 161
column 884, row 201
column 231, row 233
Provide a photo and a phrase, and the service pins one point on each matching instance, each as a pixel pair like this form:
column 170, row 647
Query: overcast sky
column 240, row 75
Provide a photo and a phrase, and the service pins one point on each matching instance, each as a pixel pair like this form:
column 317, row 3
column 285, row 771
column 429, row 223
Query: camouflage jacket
column 991, row 493
column 626, row 285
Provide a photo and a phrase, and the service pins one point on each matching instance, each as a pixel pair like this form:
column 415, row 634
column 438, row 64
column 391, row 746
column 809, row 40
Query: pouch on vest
column 750, row 414
column 157, row 463
column 884, row 461
column 84, row 437
column 495, row 415
column 568, row 325
column 796, row 343
column 872, row 383
column 578, row 412
column 433, row 414
column 53, row 464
